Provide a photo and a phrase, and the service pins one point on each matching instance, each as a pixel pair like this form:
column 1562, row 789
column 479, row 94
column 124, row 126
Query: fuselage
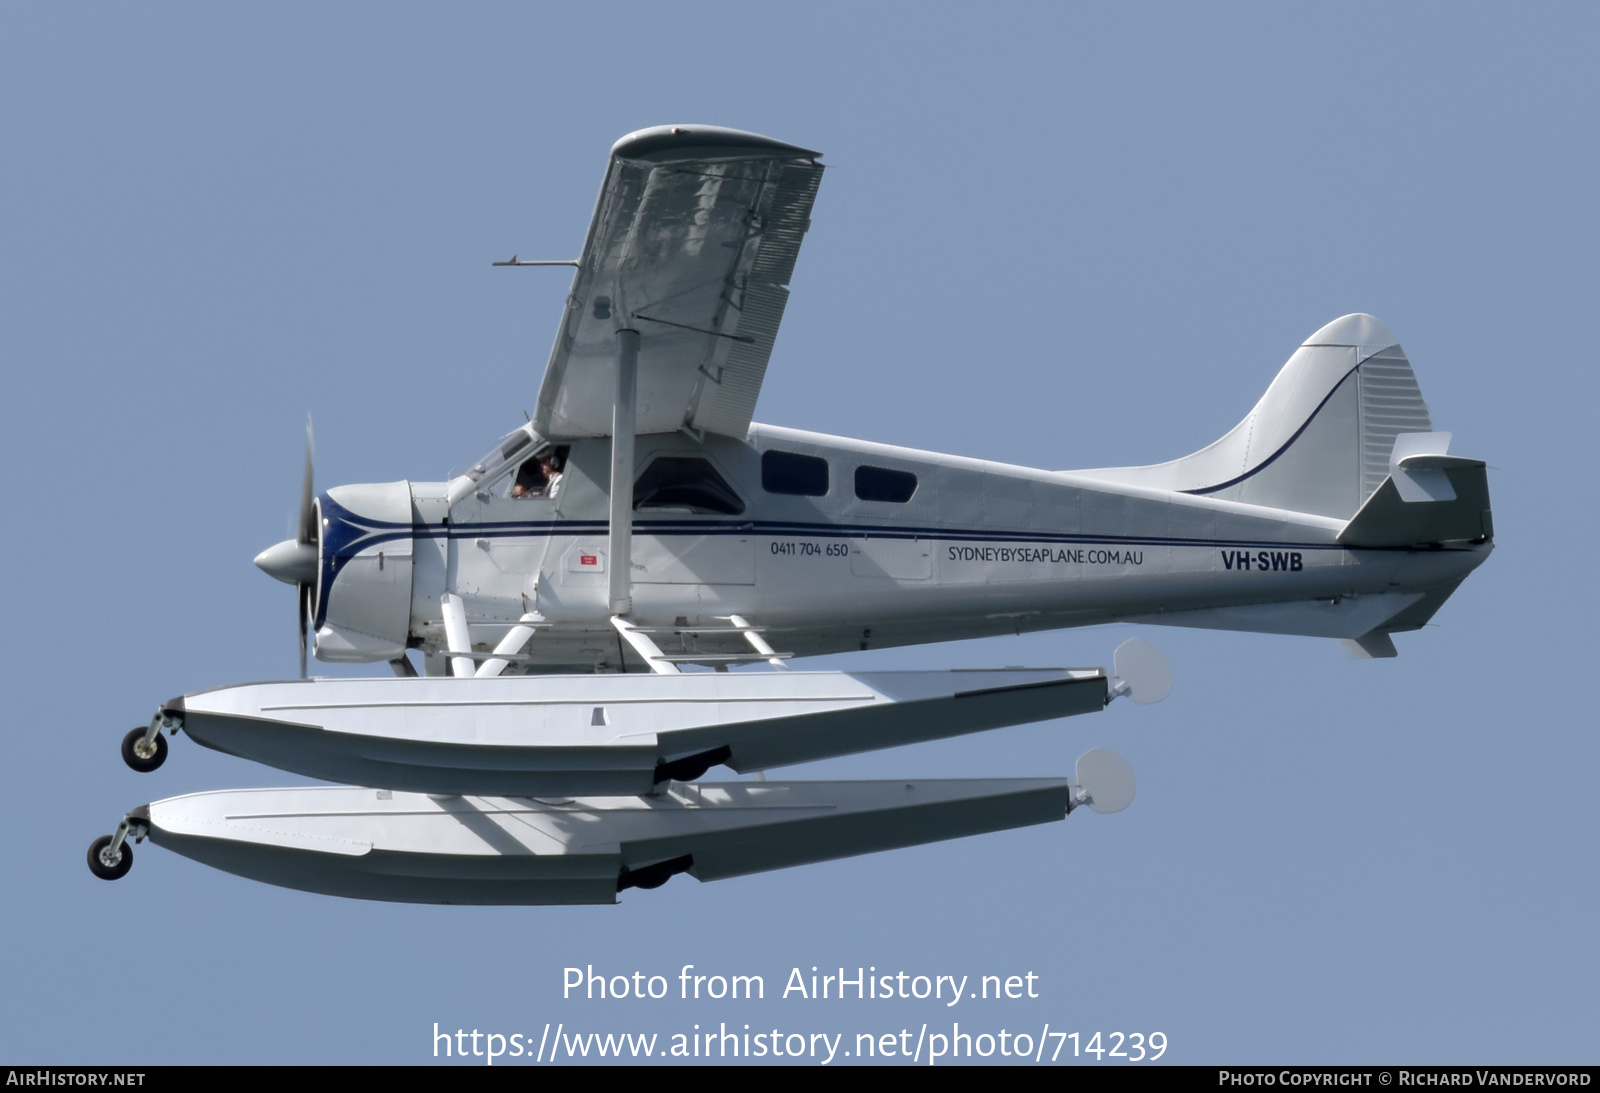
column 833, row 545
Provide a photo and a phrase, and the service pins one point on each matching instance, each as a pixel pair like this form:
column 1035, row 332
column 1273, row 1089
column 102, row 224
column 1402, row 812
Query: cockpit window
column 538, row 477
column 505, row 450
column 685, row 482
column 530, row 479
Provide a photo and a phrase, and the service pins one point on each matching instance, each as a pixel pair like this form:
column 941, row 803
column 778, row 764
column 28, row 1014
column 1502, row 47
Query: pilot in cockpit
column 540, row 476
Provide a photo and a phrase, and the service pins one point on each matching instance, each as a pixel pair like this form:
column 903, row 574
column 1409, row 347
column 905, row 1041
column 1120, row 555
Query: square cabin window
column 792, row 473
column 882, row 484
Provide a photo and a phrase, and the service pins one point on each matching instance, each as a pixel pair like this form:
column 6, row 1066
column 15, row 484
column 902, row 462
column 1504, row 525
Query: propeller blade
column 308, row 512
column 305, row 619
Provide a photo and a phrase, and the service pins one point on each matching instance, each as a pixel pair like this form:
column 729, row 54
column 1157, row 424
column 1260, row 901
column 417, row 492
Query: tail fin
column 1320, row 438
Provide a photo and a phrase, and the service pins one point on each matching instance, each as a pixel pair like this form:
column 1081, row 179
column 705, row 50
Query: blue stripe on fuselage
column 539, row 528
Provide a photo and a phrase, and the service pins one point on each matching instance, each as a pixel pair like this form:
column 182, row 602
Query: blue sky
column 1061, row 236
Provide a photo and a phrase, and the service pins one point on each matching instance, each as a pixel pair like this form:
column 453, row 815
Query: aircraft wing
column 693, row 242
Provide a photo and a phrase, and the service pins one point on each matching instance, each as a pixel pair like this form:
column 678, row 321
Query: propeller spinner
column 294, row 561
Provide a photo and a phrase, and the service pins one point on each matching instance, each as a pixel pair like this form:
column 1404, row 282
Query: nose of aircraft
column 290, row 561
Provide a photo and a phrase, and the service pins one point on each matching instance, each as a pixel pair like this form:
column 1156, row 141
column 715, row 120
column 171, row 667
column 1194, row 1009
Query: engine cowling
column 363, row 611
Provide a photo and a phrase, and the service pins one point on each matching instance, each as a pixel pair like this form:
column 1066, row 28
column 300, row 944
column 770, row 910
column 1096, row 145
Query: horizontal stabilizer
column 1378, row 643
column 1416, row 616
column 1340, row 617
column 1373, row 645
column 1389, row 520
column 413, row 848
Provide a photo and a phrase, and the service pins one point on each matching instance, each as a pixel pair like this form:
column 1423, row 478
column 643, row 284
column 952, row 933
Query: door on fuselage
column 501, row 531
column 688, row 524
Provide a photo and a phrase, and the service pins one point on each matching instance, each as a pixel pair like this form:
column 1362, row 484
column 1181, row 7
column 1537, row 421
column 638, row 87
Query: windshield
column 504, row 451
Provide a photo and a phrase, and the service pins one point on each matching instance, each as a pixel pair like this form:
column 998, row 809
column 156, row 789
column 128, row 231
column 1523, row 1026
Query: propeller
column 307, row 537
column 294, row 561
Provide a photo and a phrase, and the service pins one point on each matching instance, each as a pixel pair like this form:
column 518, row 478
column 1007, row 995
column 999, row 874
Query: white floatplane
column 640, row 524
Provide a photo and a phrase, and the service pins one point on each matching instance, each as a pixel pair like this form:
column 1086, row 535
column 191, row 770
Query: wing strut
column 622, row 439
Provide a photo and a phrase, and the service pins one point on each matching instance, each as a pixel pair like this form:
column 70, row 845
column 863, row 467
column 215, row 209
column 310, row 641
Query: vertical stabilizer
column 1320, row 438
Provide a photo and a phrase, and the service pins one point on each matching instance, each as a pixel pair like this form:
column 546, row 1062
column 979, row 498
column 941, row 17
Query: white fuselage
column 979, row 548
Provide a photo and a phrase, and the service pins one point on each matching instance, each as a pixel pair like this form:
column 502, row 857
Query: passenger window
column 790, row 472
column 882, row 484
column 678, row 482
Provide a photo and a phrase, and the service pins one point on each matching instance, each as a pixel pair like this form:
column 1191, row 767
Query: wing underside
column 693, row 242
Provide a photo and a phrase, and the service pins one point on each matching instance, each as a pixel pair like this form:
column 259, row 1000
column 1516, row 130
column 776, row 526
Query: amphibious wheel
column 143, row 757
column 103, row 865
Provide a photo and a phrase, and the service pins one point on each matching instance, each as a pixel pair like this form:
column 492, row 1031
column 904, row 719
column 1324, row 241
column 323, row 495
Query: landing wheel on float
column 108, row 860
column 142, row 754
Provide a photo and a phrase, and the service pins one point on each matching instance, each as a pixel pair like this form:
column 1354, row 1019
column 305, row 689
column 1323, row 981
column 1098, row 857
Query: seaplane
column 608, row 603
